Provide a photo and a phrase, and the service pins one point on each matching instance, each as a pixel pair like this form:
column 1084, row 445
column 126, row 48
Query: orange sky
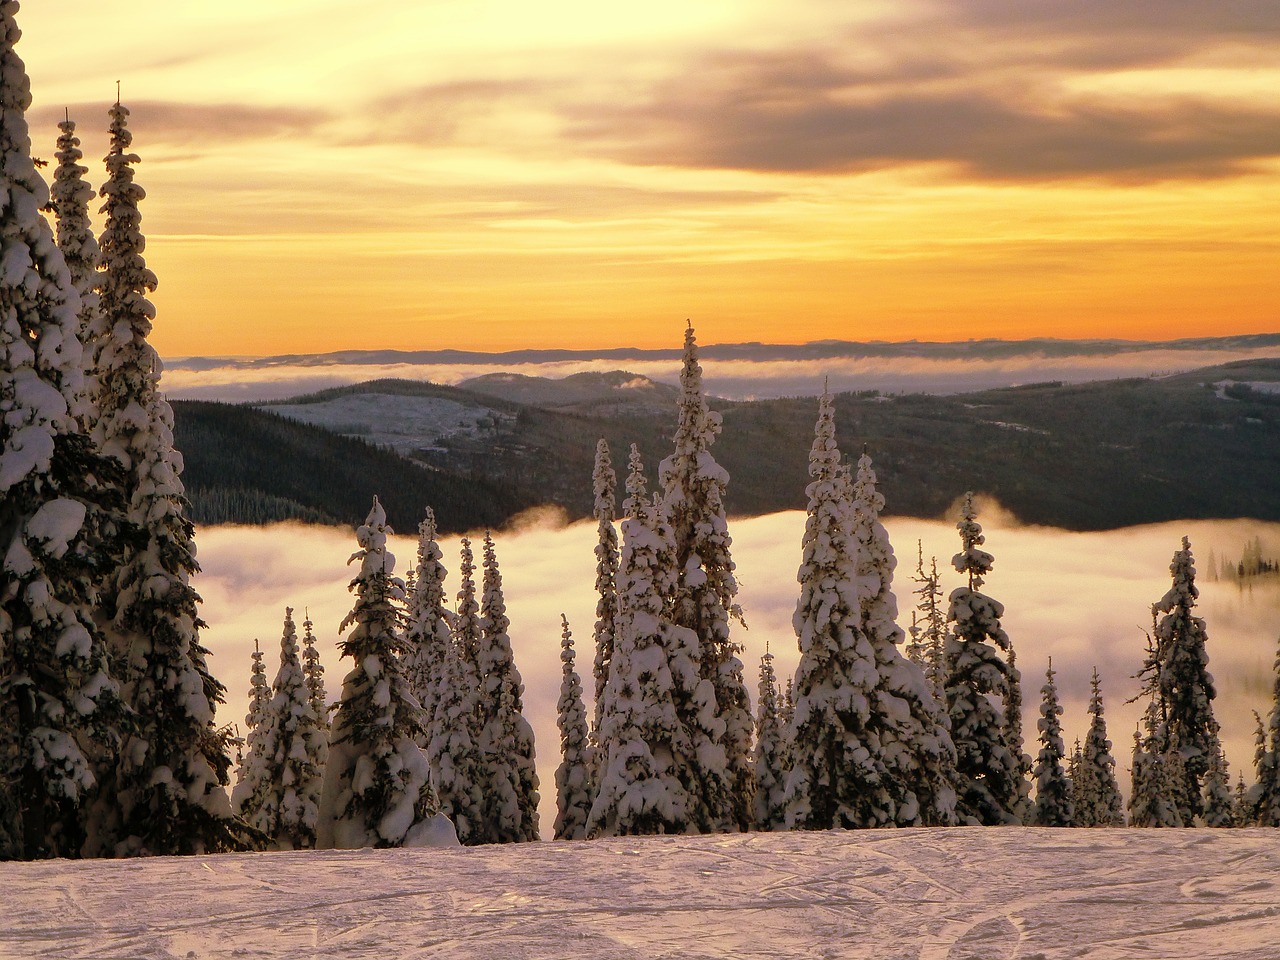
column 485, row 174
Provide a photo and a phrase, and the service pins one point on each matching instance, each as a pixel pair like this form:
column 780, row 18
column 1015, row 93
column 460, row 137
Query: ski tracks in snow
column 955, row 894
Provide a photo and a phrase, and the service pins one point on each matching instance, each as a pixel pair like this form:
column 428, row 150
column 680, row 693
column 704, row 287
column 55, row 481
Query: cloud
column 178, row 123
column 893, row 372
column 1082, row 598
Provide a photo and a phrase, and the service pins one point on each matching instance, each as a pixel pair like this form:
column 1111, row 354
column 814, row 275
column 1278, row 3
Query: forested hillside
column 1091, row 456
column 247, row 466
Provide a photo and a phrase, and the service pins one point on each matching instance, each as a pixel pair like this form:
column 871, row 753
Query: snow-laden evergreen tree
column 1241, row 809
column 1264, row 797
column 427, row 635
column 1013, row 735
column 1075, row 764
column 313, row 670
column 930, row 622
column 259, row 699
column 278, row 791
column 1156, row 778
column 991, row 786
column 1054, row 806
column 604, row 484
column 653, row 765
column 59, row 710
column 869, row 743
column 787, row 706
column 1219, row 806
column 377, row 790
column 167, row 794
column 574, row 794
column 466, row 619
column 1099, row 803
column 703, row 595
column 509, row 775
column 452, row 753
column 1179, row 674
column 69, row 199
column 771, row 753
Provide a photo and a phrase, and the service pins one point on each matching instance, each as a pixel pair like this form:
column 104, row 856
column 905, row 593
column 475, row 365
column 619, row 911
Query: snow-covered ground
column 959, row 894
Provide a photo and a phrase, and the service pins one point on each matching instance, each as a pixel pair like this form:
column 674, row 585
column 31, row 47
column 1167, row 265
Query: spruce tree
column 278, row 792
column 704, row 591
column 313, row 670
column 69, row 199
column 1178, row 674
column 770, row 759
column 466, row 619
column 427, row 635
column 1053, row 805
column 930, row 622
column 452, row 754
column 1219, row 807
column 60, row 713
column 1153, row 798
column 574, row 793
column 259, row 698
column 604, row 485
column 653, row 763
column 989, row 768
column 1100, row 803
column 509, row 774
column 1241, row 809
column 377, row 790
column 1264, row 797
column 1019, row 800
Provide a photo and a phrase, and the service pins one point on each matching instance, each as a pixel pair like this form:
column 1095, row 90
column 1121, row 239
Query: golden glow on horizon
column 494, row 176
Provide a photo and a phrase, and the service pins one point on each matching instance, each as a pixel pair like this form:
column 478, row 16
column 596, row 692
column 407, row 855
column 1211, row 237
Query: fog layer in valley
column 1082, row 598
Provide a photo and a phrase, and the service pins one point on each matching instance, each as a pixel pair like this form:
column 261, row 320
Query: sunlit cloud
column 1082, row 598
column 730, row 379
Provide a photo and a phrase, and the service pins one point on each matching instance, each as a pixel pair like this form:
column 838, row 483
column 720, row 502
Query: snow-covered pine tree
column 604, row 484
column 787, row 706
column 1053, row 806
column 427, row 634
column 259, row 698
column 279, row 791
column 59, row 707
column 1099, row 803
column 651, row 764
column 1076, row 777
column 1219, row 807
column 574, row 793
column 1152, row 798
column 931, row 620
column 167, row 794
column 1264, row 796
column 770, row 759
column 1177, row 675
column 1021, row 800
column 913, row 740
column 452, row 753
column 509, row 775
column 989, row 767
column 69, row 199
column 377, row 790
column 466, row 618
column 1240, row 806
column 313, row 670
column 703, row 597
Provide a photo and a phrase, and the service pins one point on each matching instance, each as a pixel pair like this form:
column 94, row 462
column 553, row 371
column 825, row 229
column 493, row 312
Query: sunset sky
column 488, row 174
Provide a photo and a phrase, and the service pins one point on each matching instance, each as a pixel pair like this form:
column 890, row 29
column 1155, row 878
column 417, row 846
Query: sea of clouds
column 1082, row 598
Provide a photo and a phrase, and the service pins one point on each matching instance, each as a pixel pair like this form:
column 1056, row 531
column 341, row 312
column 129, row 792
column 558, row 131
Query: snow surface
column 406, row 424
column 929, row 894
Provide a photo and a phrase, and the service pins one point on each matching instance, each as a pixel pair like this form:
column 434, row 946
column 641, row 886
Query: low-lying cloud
column 1082, row 598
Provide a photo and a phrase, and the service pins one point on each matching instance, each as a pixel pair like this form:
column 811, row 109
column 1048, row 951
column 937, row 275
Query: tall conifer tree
column 574, row 793
column 771, row 753
column 703, row 599
column 59, row 709
column 989, row 768
column 427, row 635
column 1100, row 803
column 604, row 485
column 1054, row 805
column 377, row 790
column 1264, row 797
column 510, row 776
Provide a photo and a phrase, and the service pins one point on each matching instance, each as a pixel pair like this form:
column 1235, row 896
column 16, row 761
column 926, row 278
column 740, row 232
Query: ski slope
column 926, row 894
